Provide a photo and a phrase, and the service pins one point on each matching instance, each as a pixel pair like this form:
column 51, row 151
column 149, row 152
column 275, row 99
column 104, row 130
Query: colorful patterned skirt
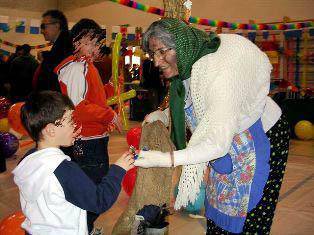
column 259, row 220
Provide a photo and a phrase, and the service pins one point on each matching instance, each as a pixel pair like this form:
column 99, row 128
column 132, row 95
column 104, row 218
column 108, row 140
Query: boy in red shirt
column 80, row 80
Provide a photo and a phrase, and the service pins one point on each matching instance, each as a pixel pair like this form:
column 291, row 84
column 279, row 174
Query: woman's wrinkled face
column 165, row 58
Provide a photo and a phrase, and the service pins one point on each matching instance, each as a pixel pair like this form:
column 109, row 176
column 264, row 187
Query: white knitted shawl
column 238, row 65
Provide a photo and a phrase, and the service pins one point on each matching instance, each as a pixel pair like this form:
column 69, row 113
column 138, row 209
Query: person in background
column 152, row 81
column 18, row 52
column 54, row 27
column 80, row 80
column 218, row 89
column 104, row 64
column 21, row 74
column 5, row 69
column 104, row 67
column 54, row 192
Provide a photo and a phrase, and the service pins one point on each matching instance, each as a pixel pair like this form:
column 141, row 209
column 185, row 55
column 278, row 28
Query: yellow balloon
column 4, row 125
column 304, row 130
column 123, row 115
column 124, row 96
column 115, row 62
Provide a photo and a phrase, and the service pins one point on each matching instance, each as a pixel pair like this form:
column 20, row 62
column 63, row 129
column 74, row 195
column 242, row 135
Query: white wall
column 20, row 38
column 112, row 14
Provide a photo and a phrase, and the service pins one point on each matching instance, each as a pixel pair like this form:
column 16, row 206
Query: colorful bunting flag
column 34, row 26
column 293, row 34
column 4, row 23
column 128, row 32
column 251, row 36
column 20, row 25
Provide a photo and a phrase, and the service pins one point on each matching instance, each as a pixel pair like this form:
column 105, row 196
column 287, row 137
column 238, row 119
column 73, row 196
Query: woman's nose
column 157, row 61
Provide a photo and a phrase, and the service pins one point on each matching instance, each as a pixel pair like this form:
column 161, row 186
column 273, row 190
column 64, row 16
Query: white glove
column 162, row 116
column 148, row 159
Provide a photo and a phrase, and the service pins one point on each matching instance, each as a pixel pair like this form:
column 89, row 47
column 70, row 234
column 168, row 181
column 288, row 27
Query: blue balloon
column 9, row 144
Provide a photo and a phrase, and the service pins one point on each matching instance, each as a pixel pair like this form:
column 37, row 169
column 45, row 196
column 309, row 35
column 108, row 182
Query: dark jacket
column 21, row 74
column 62, row 48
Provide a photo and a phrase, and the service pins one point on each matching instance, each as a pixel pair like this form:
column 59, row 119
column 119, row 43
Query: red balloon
column 129, row 181
column 133, row 137
column 14, row 117
column 12, row 224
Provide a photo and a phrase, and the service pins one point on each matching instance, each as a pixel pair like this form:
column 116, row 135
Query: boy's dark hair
column 58, row 16
column 43, row 108
column 85, row 26
column 105, row 50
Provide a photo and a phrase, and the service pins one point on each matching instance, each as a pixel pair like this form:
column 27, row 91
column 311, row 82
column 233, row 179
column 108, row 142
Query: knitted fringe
column 190, row 184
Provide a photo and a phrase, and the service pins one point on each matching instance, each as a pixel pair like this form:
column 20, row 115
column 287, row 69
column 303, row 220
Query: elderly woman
column 219, row 86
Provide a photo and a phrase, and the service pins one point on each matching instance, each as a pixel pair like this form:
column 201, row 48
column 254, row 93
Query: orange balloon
column 14, row 117
column 11, row 225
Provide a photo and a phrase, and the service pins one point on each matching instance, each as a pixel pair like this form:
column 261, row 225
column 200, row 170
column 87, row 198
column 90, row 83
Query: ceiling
column 43, row 5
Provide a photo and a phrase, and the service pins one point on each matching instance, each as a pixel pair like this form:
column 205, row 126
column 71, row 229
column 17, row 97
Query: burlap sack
column 153, row 185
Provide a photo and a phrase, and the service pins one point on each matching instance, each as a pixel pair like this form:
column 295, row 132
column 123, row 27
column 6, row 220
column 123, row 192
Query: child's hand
column 126, row 161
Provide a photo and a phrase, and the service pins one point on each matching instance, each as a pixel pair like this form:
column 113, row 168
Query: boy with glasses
column 54, row 192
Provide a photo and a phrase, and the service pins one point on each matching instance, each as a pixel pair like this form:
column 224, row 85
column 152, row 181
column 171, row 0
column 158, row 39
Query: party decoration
column 4, row 125
column 5, row 105
column 11, row 225
column 4, row 23
column 20, row 26
column 304, row 130
column 129, row 181
column 140, row 6
column 133, row 137
column 14, row 117
column 34, row 26
column 124, row 96
column 32, row 47
column 218, row 23
column 188, row 9
column 115, row 62
column 117, row 85
column 9, row 144
column 306, row 62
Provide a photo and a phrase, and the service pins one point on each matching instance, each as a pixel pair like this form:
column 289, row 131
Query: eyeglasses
column 159, row 53
column 44, row 25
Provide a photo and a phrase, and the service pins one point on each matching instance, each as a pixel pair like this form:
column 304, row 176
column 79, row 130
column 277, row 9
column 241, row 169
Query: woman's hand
column 157, row 115
column 148, row 159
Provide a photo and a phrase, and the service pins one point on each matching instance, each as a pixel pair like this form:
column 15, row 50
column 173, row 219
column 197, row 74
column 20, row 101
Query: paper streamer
column 119, row 97
column 218, row 23
column 305, row 60
column 15, row 45
column 124, row 96
column 115, row 62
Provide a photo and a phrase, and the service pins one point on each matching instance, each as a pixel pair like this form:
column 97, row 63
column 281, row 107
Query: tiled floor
column 294, row 214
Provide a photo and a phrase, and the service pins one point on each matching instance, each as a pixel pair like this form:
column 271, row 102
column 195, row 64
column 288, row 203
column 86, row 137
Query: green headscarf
column 191, row 45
